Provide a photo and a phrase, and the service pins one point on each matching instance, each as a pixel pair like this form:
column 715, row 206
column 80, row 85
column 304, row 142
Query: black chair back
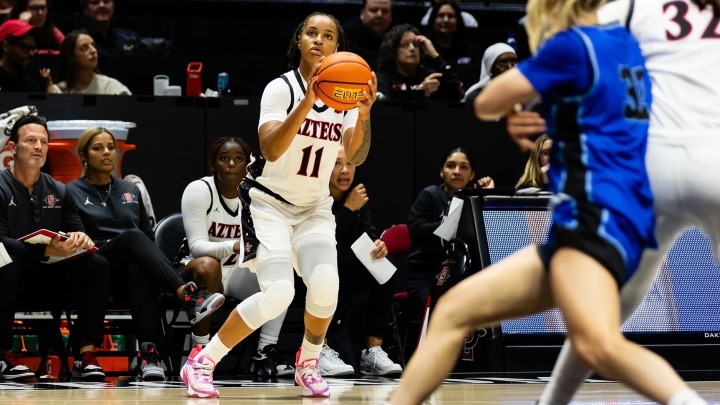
column 455, row 267
column 170, row 235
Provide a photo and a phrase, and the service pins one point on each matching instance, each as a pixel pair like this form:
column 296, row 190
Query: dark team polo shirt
column 49, row 206
column 107, row 212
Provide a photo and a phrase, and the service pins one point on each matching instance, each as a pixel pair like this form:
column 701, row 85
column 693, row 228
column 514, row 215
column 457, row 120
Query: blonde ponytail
column 546, row 18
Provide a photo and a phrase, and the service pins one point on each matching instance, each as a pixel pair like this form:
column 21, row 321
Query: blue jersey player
column 596, row 99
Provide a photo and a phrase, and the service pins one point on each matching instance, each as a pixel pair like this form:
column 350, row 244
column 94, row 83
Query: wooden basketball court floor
column 355, row 391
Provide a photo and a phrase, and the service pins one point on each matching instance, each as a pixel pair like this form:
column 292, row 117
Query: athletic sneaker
column 308, row 377
column 199, row 303
column 86, row 368
column 148, row 367
column 331, row 364
column 12, row 367
column 267, row 363
column 376, row 362
column 197, row 374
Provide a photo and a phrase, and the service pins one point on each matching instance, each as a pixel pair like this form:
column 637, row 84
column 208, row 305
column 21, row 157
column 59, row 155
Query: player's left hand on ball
column 370, row 97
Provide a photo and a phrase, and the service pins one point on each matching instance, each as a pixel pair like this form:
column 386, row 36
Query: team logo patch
column 443, row 276
column 50, row 201
column 128, row 198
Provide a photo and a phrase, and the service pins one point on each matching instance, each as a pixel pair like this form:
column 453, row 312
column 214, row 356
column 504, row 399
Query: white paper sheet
column 381, row 269
column 448, row 229
column 4, row 256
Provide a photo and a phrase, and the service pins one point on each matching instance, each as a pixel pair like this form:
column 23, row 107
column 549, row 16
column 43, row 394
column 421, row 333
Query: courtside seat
column 398, row 243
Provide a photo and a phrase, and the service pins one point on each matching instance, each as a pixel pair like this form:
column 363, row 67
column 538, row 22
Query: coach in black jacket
column 29, row 201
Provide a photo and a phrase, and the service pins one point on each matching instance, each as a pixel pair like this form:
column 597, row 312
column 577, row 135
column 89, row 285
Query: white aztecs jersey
column 681, row 46
column 222, row 222
column 302, row 174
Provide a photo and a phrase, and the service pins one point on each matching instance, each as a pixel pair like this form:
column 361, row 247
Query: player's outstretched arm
column 501, row 95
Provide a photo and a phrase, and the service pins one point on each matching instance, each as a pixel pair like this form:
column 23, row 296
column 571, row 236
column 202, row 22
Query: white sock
column 215, row 350
column 568, row 375
column 686, row 397
column 200, row 340
column 309, row 351
column 266, row 340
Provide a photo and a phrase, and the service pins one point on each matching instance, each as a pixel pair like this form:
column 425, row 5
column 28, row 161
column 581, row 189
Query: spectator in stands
column 5, row 9
column 537, row 165
column 113, row 213
column 426, row 214
column 366, row 31
column 37, row 13
column 352, row 219
column 78, row 72
column 402, row 74
column 30, row 201
column 18, row 39
column 211, row 216
column 497, row 59
column 110, row 41
column 467, row 18
column 447, row 33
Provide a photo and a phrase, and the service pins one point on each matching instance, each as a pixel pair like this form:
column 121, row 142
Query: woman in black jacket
column 352, row 219
column 426, row 215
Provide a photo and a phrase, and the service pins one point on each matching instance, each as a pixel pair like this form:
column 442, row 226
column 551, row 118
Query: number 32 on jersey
column 677, row 11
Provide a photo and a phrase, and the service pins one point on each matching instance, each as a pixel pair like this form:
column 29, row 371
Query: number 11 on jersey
column 306, row 162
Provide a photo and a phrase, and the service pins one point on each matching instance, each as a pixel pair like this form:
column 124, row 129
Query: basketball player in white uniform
column 680, row 40
column 286, row 207
column 214, row 234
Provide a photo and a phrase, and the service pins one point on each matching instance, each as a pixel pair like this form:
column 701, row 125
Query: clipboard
column 44, row 236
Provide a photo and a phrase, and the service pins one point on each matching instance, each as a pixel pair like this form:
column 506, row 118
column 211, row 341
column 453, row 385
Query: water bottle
column 223, row 84
column 511, row 41
column 194, row 79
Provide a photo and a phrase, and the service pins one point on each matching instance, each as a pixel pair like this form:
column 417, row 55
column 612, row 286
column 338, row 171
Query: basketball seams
column 365, row 65
column 344, row 78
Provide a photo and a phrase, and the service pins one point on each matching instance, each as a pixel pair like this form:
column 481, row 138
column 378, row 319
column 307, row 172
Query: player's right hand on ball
column 311, row 93
column 357, row 198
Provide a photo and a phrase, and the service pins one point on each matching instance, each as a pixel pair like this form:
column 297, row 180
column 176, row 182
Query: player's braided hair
column 293, row 53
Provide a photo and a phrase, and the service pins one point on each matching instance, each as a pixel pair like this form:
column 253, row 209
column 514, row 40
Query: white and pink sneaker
column 197, row 375
column 307, row 375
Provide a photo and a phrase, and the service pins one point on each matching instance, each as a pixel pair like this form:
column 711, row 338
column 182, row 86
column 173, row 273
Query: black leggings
column 355, row 279
column 140, row 271
column 84, row 281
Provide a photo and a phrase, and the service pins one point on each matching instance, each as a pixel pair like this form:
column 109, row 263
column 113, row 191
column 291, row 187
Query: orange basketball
column 342, row 77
